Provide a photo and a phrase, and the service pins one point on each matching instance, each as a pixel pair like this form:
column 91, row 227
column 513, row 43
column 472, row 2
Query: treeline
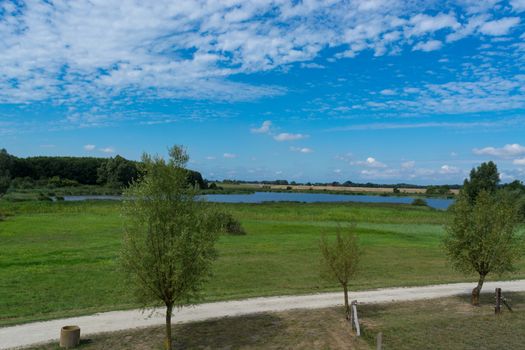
column 433, row 189
column 115, row 172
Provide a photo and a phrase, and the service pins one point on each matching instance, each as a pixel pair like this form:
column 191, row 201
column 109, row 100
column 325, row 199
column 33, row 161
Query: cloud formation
column 507, row 151
column 84, row 49
column 301, row 149
column 264, row 129
column 370, row 162
column 284, row 136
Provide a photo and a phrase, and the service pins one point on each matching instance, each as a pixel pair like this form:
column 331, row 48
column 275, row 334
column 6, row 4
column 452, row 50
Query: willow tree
column 169, row 235
column 482, row 236
column 339, row 260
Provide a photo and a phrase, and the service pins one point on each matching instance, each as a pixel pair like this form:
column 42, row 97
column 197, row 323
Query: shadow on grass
column 230, row 332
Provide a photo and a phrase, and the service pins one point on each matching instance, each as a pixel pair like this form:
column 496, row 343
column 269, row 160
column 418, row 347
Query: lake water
column 260, row 197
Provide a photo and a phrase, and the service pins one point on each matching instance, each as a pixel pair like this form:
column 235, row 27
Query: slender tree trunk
column 168, row 341
column 347, row 306
column 476, row 291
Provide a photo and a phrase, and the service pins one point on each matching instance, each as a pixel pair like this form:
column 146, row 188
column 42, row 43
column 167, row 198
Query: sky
column 381, row 91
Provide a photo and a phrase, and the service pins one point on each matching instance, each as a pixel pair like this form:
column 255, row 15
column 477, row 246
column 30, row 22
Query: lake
column 260, row 197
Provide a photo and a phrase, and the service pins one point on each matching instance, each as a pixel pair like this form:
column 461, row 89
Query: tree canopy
column 483, row 178
column 114, row 172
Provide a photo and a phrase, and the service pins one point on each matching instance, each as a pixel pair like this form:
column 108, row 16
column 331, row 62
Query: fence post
column 379, row 342
column 355, row 318
column 497, row 309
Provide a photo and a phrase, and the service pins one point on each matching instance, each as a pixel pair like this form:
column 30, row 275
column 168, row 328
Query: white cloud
column 500, row 26
column 301, row 149
column 370, row 162
column 337, row 171
column 448, row 169
column 210, row 158
column 229, row 155
column 191, row 49
column 518, row 5
column 89, row 147
column 289, row 137
column 422, row 23
column 408, row 164
column 520, row 161
column 387, row 92
column 107, row 150
column 312, row 65
column 507, row 151
column 430, row 45
column 264, row 129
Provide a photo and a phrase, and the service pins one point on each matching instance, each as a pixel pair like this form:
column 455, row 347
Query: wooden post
column 379, row 342
column 497, row 309
column 355, row 318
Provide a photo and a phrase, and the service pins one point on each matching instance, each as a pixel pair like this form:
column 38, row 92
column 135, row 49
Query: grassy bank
column 60, row 259
column 439, row 324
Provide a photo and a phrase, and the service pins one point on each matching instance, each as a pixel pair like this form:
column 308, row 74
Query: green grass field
column 60, row 259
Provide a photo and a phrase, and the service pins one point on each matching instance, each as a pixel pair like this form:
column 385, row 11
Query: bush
column 228, row 224
column 43, row 197
column 420, row 202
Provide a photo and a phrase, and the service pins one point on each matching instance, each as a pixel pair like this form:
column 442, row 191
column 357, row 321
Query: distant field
column 59, row 259
column 349, row 189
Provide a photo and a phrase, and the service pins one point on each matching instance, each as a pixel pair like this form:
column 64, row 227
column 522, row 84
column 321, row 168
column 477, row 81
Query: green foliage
column 420, row 202
column 483, row 178
column 117, row 172
column 228, row 224
column 482, row 236
column 169, row 235
column 5, row 183
column 516, row 190
column 61, row 172
column 438, row 190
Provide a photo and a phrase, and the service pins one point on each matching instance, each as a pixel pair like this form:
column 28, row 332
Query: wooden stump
column 69, row 337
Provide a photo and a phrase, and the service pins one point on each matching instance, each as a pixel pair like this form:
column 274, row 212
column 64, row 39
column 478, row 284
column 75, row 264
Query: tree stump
column 69, row 337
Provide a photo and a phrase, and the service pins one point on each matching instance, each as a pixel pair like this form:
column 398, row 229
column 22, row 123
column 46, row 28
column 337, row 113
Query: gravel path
column 40, row 332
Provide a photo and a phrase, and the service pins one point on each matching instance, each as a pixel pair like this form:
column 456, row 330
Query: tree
column 5, row 182
column 484, row 177
column 169, row 235
column 482, row 236
column 117, row 172
column 339, row 260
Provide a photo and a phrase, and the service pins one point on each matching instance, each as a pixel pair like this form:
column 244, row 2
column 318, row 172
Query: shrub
column 228, row 224
column 420, row 202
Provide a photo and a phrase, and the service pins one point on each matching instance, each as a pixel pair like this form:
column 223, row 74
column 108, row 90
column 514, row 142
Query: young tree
column 339, row 260
column 169, row 235
column 482, row 236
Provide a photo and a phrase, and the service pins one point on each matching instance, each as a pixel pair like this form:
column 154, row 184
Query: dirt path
column 40, row 332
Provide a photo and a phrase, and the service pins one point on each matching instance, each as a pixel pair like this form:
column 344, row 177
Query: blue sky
column 380, row 91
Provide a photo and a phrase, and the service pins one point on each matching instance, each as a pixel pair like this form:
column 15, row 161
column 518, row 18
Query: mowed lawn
column 61, row 259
